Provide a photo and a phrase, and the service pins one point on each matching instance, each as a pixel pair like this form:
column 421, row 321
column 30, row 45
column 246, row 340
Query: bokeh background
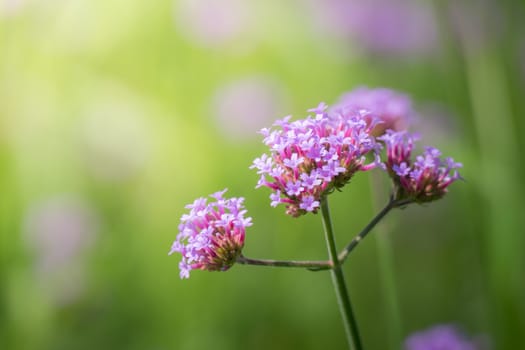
column 114, row 114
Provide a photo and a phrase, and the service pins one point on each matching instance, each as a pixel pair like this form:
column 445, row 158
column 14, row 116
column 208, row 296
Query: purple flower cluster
column 424, row 180
column 392, row 108
column 442, row 337
column 211, row 236
column 311, row 157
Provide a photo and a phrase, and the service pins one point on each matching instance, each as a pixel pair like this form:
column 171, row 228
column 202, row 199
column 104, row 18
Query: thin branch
column 390, row 205
column 311, row 265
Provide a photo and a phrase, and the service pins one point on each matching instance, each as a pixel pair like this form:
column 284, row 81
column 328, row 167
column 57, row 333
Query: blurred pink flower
column 10, row 8
column 244, row 106
column 59, row 230
column 443, row 337
column 383, row 27
column 212, row 23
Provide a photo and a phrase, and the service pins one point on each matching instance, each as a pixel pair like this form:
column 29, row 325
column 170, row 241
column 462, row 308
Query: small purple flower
column 401, row 169
column 294, row 188
column 424, row 180
column 314, row 156
column 309, row 203
column 310, row 180
column 393, row 110
column 211, row 236
column 294, row 161
column 442, row 337
column 276, row 198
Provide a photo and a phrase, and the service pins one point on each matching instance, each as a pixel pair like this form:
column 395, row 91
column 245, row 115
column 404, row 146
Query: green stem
column 391, row 205
column 310, row 265
column 338, row 279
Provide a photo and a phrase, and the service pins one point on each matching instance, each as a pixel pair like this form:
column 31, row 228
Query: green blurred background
column 115, row 114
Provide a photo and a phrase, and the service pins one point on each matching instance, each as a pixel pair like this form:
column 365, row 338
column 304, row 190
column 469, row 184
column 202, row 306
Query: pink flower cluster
column 314, row 156
column 211, row 236
column 424, row 180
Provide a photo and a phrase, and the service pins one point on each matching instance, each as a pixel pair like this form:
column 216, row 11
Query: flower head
column 423, row 180
column 314, row 156
column 442, row 337
column 392, row 109
column 211, row 236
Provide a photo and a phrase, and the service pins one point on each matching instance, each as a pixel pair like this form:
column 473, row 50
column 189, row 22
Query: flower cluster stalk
column 310, row 265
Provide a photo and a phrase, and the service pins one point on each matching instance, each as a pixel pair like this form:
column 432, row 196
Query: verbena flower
column 423, row 180
column 211, row 236
column 442, row 337
column 393, row 109
column 314, row 156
